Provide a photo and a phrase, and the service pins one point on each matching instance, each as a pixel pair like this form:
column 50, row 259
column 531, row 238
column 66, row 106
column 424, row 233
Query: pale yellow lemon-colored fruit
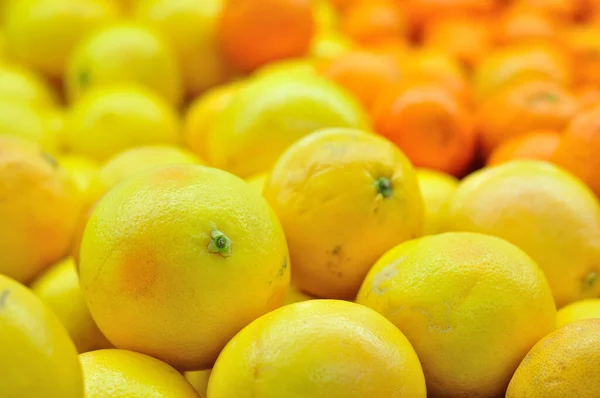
column 42, row 33
column 125, row 52
column 59, row 288
column 120, row 373
column 39, row 208
column 471, row 305
column 258, row 182
column 19, row 83
column 436, row 187
column 330, row 44
column 344, row 197
column 563, row 364
column 584, row 309
column 38, row 357
column 29, row 122
column 85, row 172
column 177, row 260
column 542, row 209
column 294, row 295
column 270, row 113
column 190, row 26
column 107, row 121
column 288, row 68
column 326, row 16
column 202, row 112
column 135, row 160
column 199, row 380
column 318, row 349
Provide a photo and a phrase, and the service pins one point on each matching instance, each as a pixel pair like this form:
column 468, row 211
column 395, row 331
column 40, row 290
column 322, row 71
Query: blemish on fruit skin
column 336, row 250
column 4, row 297
column 220, row 244
column 83, row 78
column 590, row 280
column 284, row 266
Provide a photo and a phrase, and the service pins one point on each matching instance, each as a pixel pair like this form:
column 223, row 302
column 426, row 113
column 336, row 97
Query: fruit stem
column 591, row 279
column 220, row 244
column 383, row 185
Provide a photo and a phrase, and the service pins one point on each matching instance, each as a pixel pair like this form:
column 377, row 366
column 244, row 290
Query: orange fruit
column 424, row 10
column 459, row 36
column 584, row 43
column 375, row 20
column 518, row 62
column 559, row 9
column 587, row 96
column 525, row 23
column 252, row 33
column 578, row 148
column 429, row 124
column 363, row 74
column 538, row 145
column 522, row 108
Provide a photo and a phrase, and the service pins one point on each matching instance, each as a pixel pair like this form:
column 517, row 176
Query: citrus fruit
column 20, row 83
column 325, row 15
column 520, row 23
column 368, row 22
column 39, row 359
column 258, row 182
column 421, row 11
column 288, row 68
column 125, row 52
column 108, row 120
column 515, row 63
column 584, row 44
column 121, row 373
column 330, row 44
column 344, row 197
column 175, row 261
column 42, row 33
column 564, row 10
column 84, row 172
column 295, row 295
column 317, row 349
column 191, row 28
column 135, row 160
column 29, row 122
column 436, row 187
column 522, row 108
column 583, row 309
column 38, row 212
column 545, row 211
column 199, row 380
column 363, row 74
column 472, row 306
column 563, row 364
column 252, row 33
column 537, row 145
column 576, row 150
column 270, row 113
column 431, row 126
column 58, row 287
column 202, row 112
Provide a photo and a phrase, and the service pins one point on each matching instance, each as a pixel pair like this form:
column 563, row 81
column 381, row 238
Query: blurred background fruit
column 436, row 188
column 584, row 309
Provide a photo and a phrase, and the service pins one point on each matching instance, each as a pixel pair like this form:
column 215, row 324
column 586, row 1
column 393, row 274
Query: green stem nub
column 220, row 244
column 383, row 185
column 591, row 279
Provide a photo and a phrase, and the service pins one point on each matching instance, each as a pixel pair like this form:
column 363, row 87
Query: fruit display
column 299, row 198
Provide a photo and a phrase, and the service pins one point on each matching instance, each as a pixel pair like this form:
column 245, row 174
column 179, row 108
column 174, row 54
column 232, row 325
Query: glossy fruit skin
column 551, row 215
column 344, row 197
column 429, row 124
column 121, row 373
column 172, row 264
column 319, row 349
column 252, row 33
column 32, row 338
column 579, row 310
column 537, row 145
column 39, row 210
column 42, row 33
column 472, row 305
column 124, row 53
column 563, row 364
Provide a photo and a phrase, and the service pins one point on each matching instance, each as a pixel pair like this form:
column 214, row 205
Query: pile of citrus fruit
column 299, row 198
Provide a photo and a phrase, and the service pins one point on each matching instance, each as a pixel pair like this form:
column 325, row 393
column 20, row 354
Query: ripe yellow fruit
column 201, row 115
column 126, row 52
column 59, row 288
column 563, row 364
column 19, row 83
column 436, row 188
column 28, row 122
column 344, row 197
column 269, row 114
column 135, row 160
column 287, row 68
column 190, row 27
column 318, row 349
column 330, row 44
column 85, row 172
column 258, row 182
column 199, row 380
column 120, row 373
column 472, row 305
column 42, row 33
column 39, row 208
column 109, row 120
column 584, row 309
column 177, row 260
column 38, row 357
column 548, row 213
column 294, row 295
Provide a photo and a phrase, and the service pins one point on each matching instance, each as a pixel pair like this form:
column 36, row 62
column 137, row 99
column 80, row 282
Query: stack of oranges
column 299, row 198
